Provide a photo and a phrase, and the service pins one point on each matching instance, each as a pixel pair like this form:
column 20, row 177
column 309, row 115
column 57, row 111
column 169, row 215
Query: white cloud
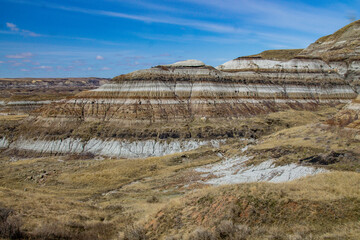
column 98, row 57
column 14, row 28
column 89, row 68
column 44, row 67
column 20, row 55
column 24, row 70
column 105, row 68
column 202, row 25
column 280, row 14
column 1, row 62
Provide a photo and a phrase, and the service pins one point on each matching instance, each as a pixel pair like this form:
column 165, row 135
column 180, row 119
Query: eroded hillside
column 260, row 147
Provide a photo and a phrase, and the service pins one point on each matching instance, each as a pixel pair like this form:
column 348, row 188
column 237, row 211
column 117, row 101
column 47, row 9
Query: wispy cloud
column 44, row 67
column 20, row 55
column 279, row 13
column 105, row 68
column 187, row 22
column 98, row 57
column 14, row 29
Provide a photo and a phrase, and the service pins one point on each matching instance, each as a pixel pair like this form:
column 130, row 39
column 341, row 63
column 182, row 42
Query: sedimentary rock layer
column 23, row 95
column 236, row 88
column 109, row 148
column 235, row 170
column 344, row 44
column 301, row 79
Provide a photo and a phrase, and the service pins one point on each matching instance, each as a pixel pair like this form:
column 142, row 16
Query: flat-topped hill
column 279, row 55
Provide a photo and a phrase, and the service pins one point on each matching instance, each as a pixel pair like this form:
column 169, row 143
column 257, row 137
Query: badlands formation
column 327, row 72
column 141, row 156
column 323, row 75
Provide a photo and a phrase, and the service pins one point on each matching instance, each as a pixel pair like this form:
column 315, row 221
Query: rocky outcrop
column 343, row 45
column 349, row 116
column 235, row 170
column 108, row 148
column 341, row 51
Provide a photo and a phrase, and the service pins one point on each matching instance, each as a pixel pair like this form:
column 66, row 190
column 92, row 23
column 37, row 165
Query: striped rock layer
column 243, row 86
column 176, row 92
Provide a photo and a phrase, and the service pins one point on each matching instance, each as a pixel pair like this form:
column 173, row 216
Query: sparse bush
column 276, row 234
column 114, row 208
column 9, row 225
column 50, row 231
column 225, row 230
column 201, row 234
column 134, row 232
column 175, row 237
column 243, row 232
column 152, row 199
column 72, row 231
column 301, row 233
column 228, row 230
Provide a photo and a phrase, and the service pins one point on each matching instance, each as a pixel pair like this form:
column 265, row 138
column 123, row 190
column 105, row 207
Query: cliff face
column 267, row 82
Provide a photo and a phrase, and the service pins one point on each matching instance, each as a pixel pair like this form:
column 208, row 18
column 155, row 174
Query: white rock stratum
column 109, row 148
column 234, row 170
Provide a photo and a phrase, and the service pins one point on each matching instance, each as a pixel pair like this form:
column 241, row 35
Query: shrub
column 134, row 232
column 152, row 199
column 72, row 230
column 201, row 234
column 9, row 225
column 228, row 230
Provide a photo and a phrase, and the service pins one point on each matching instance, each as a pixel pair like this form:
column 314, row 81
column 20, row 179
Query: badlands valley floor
column 292, row 176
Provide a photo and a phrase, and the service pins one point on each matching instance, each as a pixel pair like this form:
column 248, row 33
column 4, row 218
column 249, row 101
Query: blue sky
column 83, row 38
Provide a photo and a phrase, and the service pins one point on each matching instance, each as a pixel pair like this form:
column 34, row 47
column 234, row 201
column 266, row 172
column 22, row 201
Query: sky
column 93, row 38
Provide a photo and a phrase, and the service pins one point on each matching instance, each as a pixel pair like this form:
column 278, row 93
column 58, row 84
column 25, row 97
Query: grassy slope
column 294, row 144
column 75, row 191
column 281, row 54
column 326, row 205
column 68, row 191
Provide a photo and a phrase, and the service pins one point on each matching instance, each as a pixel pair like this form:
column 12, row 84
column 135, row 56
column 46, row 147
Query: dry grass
column 103, row 197
column 13, row 117
column 293, row 144
column 58, row 190
column 281, row 54
column 308, row 207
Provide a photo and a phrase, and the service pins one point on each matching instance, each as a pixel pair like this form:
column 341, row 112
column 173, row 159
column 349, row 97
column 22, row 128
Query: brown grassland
column 87, row 197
